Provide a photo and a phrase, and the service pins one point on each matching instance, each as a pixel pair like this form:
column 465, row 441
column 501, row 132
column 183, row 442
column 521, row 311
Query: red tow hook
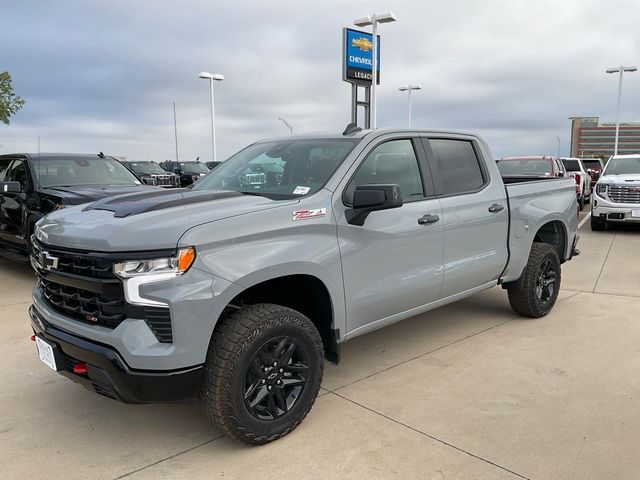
column 80, row 368
column 33, row 338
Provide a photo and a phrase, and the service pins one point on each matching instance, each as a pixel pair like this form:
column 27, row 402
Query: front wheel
column 534, row 294
column 262, row 373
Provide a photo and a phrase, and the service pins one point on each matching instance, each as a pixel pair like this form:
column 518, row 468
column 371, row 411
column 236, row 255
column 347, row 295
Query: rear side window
column 458, row 166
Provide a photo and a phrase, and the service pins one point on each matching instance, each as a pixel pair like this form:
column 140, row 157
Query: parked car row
column 540, row 167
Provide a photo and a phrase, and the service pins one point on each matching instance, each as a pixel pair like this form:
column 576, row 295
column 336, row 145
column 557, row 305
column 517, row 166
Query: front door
column 392, row 263
column 12, row 204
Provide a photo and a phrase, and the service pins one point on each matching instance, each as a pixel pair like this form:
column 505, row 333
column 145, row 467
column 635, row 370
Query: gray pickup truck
column 235, row 290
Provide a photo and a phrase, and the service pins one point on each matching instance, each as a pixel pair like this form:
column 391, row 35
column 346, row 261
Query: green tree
column 10, row 103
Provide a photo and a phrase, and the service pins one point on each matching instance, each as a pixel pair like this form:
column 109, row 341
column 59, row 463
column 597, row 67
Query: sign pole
column 374, row 74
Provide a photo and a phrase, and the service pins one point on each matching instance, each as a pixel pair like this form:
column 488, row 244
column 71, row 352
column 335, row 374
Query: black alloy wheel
column 262, row 373
column 546, row 284
column 535, row 293
column 275, row 378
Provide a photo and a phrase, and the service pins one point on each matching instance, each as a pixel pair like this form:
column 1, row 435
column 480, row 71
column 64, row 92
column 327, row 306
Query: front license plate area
column 45, row 352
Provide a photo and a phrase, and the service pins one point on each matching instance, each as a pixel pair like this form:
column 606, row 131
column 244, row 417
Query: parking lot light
column 409, row 88
column 621, row 69
column 373, row 20
column 211, row 77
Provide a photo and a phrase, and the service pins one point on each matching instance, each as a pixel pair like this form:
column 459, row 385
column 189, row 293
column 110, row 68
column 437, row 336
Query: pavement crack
column 604, row 263
column 177, row 454
column 462, row 450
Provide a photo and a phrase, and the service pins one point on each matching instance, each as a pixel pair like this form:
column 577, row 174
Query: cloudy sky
column 102, row 76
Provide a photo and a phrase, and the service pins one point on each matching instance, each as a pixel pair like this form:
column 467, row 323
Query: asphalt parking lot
column 466, row 391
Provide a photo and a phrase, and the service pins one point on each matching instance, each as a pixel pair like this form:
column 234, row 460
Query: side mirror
column 371, row 198
column 10, row 187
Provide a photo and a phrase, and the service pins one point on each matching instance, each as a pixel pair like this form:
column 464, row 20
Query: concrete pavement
column 467, row 391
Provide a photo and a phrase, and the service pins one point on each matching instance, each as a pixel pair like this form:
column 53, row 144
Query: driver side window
column 18, row 173
column 392, row 162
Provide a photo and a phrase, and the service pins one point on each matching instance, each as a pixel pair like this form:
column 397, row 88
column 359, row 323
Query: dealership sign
column 357, row 56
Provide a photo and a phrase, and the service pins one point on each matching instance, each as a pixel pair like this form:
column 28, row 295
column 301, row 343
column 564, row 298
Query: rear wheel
column 534, row 294
column 598, row 224
column 581, row 202
column 263, row 372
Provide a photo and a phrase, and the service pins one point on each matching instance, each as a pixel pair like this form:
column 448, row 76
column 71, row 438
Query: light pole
column 211, row 77
column 620, row 69
column 374, row 19
column 408, row 88
column 287, row 124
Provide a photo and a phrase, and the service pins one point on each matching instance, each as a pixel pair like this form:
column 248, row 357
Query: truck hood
column 76, row 195
column 145, row 221
column 621, row 179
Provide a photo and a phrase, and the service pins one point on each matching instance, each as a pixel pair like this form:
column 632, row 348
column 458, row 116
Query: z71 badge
column 306, row 214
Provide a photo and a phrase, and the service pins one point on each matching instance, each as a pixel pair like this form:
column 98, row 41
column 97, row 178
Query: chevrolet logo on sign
column 362, row 43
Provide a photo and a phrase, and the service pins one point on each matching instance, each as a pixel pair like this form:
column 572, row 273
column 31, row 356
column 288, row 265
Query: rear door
column 393, row 262
column 474, row 213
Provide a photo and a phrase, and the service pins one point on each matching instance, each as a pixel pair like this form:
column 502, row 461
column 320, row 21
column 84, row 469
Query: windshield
column 280, row 169
column 196, row 167
column 622, row 166
column 70, row 171
column 571, row 165
column 146, row 167
column 525, row 166
column 592, row 164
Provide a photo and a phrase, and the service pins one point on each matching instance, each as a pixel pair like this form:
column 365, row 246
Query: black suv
column 189, row 171
column 151, row 174
column 33, row 185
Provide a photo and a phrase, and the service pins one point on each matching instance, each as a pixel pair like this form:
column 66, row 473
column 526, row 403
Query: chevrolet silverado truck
column 617, row 193
column 236, row 290
column 32, row 185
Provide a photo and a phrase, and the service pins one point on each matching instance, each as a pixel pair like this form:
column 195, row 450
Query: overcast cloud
column 101, row 76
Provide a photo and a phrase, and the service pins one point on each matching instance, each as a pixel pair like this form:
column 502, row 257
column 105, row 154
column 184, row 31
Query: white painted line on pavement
column 584, row 220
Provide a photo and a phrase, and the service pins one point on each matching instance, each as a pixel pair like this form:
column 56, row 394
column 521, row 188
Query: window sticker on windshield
column 301, row 190
column 311, row 213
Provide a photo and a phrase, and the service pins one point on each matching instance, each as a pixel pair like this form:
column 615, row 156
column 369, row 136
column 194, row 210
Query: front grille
column 84, row 287
column 164, row 180
column 77, row 264
column 89, row 307
column 624, row 194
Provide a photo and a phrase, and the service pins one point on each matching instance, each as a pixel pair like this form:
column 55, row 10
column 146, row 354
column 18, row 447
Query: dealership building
column 591, row 139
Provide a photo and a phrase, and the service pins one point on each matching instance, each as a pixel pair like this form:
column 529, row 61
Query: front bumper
column 108, row 374
column 614, row 212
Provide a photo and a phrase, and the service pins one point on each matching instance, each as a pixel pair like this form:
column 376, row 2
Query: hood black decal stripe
column 137, row 203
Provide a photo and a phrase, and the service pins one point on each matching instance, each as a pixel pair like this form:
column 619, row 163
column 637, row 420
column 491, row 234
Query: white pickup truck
column 617, row 193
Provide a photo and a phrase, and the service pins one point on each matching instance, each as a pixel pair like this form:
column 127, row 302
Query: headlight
column 135, row 273
column 601, row 188
column 175, row 265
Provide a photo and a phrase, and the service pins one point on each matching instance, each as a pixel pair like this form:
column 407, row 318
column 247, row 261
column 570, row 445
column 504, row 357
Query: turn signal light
column 186, row 256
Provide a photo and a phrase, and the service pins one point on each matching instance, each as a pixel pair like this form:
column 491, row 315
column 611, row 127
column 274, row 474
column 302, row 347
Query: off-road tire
column 598, row 224
column 522, row 293
column 234, row 344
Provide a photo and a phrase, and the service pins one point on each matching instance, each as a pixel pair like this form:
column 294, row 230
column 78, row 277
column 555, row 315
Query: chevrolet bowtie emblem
column 47, row 261
column 362, row 43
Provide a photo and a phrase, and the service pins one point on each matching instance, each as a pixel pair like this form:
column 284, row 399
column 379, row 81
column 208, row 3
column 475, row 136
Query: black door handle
column 427, row 219
column 496, row 207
